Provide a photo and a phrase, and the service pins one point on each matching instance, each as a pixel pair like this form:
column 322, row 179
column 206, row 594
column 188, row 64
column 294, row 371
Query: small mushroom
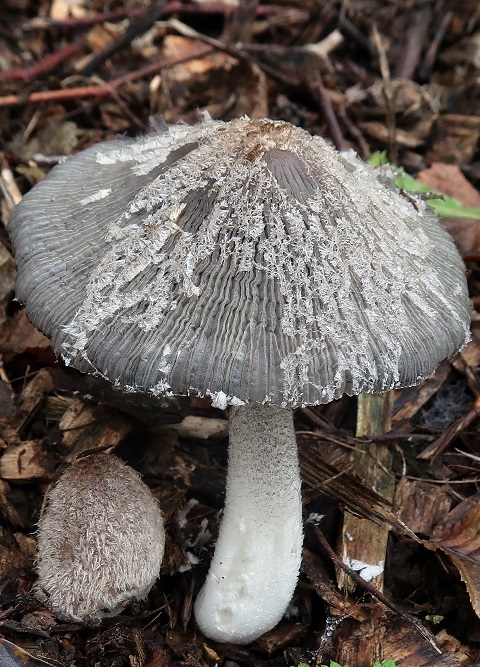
column 250, row 262
column 100, row 540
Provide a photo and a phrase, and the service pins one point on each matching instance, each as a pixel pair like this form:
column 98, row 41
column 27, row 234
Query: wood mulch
column 368, row 74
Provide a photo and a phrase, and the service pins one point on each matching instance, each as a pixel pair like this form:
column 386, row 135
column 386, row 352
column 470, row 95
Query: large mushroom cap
column 245, row 260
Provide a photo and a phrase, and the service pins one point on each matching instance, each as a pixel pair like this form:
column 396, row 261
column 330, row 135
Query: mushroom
column 250, row 262
column 100, row 540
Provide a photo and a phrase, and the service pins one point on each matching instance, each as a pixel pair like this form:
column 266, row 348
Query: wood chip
column 7, row 282
column 408, row 648
column 26, row 462
column 7, row 508
column 88, row 428
column 202, row 428
column 31, row 398
column 421, row 505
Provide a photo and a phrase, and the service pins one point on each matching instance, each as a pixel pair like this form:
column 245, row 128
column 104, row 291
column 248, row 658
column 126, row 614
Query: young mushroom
column 100, row 540
column 250, row 262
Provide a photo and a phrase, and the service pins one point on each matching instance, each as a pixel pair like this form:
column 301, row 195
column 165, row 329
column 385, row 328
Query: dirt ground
column 394, row 76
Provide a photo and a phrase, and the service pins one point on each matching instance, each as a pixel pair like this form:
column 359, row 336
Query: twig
column 387, row 93
column 136, row 28
column 346, row 26
column 373, row 591
column 314, row 83
column 416, row 37
column 8, row 187
column 128, row 113
column 431, row 54
column 5, row 378
column 102, row 90
column 178, row 8
column 447, row 482
column 436, row 448
column 45, row 23
column 356, row 133
column 234, row 51
column 45, row 65
column 239, row 23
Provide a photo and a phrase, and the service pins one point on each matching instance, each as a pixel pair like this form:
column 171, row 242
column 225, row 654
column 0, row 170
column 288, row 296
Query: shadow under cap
column 245, row 260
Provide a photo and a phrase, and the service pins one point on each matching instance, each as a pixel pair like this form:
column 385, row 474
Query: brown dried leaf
column 20, row 337
column 234, row 88
column 380, row 132
column 460, row 530
column 99, row 37
column 455, row 139
column 314, row 569
column 14, row 656
column 160, row 658
column 448, row 178
column 458, row 535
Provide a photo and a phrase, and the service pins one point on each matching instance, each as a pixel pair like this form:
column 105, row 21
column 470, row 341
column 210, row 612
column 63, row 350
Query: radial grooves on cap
column 246, row 258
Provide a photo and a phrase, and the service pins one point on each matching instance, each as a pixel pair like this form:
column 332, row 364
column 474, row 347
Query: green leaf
column 449, row 207
column 434, row 618
column 406, row 182
column 443, row 205
column 378, row 158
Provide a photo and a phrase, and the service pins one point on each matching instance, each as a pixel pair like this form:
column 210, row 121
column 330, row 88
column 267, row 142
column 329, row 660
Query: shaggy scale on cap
column 100, row 540
column 246, row 260
column 251, row 262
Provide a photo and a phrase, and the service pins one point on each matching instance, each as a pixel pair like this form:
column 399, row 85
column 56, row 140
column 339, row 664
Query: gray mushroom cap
column 246, row 260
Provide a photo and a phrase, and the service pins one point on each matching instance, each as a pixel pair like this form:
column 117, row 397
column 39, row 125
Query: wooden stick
column 45, row 65
column 102, row 90
column 363, row 543
column 363, row 540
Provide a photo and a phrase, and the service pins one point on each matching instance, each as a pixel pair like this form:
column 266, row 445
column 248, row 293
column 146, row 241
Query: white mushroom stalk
column 255, row 568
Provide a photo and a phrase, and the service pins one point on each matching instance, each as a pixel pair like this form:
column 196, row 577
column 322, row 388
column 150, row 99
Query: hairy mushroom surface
column 100, row 540
column 250, row 262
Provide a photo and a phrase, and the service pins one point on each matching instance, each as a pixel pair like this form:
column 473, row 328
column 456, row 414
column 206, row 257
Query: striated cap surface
column 244, row 260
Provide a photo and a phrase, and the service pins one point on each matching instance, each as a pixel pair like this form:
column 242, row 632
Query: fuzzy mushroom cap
column 100, row 540
column 246, row 260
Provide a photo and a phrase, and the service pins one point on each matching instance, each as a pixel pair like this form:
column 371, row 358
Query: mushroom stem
column 257, row 558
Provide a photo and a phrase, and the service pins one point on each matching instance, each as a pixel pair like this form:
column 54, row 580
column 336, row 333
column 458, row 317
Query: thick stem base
column 258, row 553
